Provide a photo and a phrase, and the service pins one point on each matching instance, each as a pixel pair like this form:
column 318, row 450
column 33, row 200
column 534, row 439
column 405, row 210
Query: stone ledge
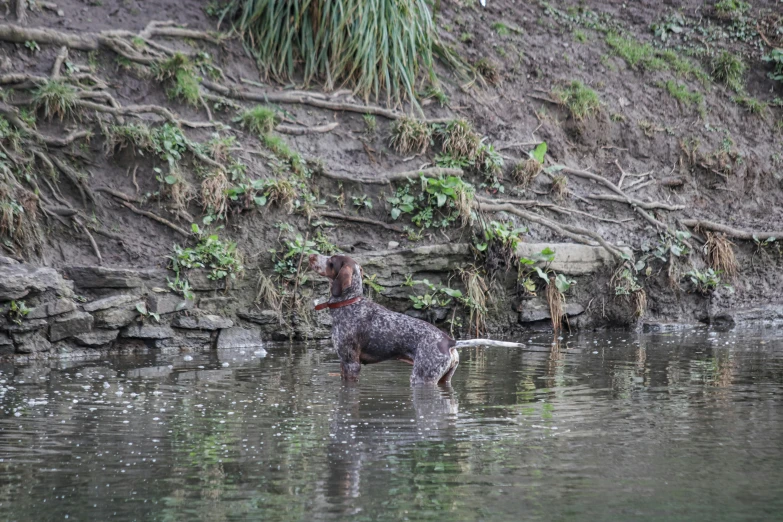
column 102, row 277
column 572, row 258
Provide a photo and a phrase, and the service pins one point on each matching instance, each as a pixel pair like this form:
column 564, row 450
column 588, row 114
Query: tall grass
column 378, row 47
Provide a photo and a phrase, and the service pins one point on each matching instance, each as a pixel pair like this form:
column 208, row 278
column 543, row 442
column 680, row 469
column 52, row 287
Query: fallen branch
column 736, row 233
column 297, row 130
column 154, row 217
column 359, row 219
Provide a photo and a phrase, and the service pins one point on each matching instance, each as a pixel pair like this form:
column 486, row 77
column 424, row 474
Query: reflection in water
column 675, row 426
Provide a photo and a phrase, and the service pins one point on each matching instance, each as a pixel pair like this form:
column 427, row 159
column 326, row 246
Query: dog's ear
column 343, row 280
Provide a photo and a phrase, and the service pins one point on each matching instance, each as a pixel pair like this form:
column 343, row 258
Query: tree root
column 652, row 205
column 359, row 219
column 58, row 62
column 297, row 130
column 12, row 115
column 92, row 239
column 749, row 235
column 386, row 179
column 154, row 217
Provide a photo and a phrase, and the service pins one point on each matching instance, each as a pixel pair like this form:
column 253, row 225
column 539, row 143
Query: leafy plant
column 440, row 202
column 219, row 257
column 731, row 8
column 287, row 260
column 525, row 171
column 361, row 202
column 705, row 281
column 371, row 123
column 169, row 143
column 32, row 46
column 181, row 285
column 17, row 311
column 775, row 57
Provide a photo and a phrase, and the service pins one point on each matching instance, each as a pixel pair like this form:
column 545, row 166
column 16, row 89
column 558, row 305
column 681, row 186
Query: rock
column 19, row 280
column 58, row 307
column 116, row 318
column 392, row 245
column 265, row 317
column 538, row 310
column 25, row 326
column 32, row 342
column 5, row 340
column 200, row 282
column 391, row 265
column 72, row 324
column 8, row 261
column 113, row 301
column 204, row 322
column 572, row 258
column 102, row 277
column 167, row 303
column 147, row 331
column 226, row 306
column 187, row 341
column 69, row 351
column 96, row 338
column 238, row 337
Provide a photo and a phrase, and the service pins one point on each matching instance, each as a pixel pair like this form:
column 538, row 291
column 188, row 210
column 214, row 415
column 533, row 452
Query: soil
column 639, row 127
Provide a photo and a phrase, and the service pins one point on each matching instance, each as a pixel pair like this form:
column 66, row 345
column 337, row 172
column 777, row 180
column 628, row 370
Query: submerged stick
column 489, row 343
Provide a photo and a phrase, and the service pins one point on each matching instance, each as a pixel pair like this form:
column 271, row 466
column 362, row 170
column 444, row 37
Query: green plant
column 32, row 46
column 144, row 312
column 181, row 285
column 626, row 286
column 580, row 36
column 375, row 45
column 775, row 57
column 730, row 70
column 169, row 143
column 753, row 105
column 219, row 257
column 372, row 283
column 323, row 244
column 681, row 93
column 361, row 202
column 637, row 55
column 179, row 73
column 559, row 188
column 259, row 120
column 440, row 202
column 410, row 135
column 504, row 234
column 580, row 100
column 501, row 29
column 17, row 311
column 436, row 94
column 371, row 123
column 731, row 8
column 705, row 281
column 466, row 37
column 56, row 98
column 286, row 260
column 136, row 136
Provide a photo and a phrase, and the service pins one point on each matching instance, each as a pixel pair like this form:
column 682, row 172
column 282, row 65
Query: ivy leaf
column 260, row 200
column 395, row 212
column 542, row 274
column 171, row 180
column 539, row 152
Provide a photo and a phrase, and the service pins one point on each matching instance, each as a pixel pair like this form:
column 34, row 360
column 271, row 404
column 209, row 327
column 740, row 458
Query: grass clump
column 459, row 139
column 374, row 45
column 681, row 93
column 57, row 99
column 731, row 8
column 729, row 70
column 136, row 136
column 559, row 188
column 488, row 70
column 753, row 105
column 638, row 55
column 214, row 194
column 259, row 120
column 179, row 73
column 580, row 100
column 410, row 136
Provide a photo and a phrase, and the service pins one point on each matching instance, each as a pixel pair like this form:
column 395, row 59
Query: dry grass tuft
column 720, row 254
column 282, row 192
column 460, row 140
column 214, row 193
column 268, row 295
column 526, row 171
column 639, row 300
column 181, row 192
column 556, row 301
column 410, row 136
column 476, row 291
column 489, row 71
column 559, row 189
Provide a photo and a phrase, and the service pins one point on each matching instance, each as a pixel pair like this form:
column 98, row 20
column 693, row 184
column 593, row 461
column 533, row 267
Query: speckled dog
column 364, row 332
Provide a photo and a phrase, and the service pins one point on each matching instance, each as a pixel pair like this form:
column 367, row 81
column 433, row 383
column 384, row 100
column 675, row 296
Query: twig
column 730, row 231
column 359, row 219
column 154, row 217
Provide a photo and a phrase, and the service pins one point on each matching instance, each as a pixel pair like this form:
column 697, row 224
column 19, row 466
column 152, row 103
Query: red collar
column 338, row 304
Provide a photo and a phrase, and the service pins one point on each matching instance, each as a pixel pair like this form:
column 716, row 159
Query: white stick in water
column 489, row 343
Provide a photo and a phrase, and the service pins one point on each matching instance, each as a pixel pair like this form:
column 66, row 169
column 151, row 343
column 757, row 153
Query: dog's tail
column 468, row 343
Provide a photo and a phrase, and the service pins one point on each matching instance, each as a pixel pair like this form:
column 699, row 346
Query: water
column 668, row 426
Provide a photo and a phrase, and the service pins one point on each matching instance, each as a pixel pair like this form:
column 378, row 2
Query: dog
column 364, row 332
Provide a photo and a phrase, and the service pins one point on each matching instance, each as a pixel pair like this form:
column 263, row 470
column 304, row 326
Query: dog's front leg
column 350, row 365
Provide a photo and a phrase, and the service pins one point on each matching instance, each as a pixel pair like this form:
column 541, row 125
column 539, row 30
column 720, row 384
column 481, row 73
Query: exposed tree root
column 298, row 130
column 386, row 179
column 20, row 10
column 359, row 219
column 736, row 233
column 12, row 115
column 92, row 239
column 76, row 179
column 651, row 205
column 154, row 217
column 58, row 62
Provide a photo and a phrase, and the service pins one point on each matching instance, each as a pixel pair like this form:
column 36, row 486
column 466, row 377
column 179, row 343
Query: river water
column 661, row 426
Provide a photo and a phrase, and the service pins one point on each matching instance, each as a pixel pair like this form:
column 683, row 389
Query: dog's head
column 344, row 273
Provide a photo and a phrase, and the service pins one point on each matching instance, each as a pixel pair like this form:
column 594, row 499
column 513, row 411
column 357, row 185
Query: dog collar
column 338, row 304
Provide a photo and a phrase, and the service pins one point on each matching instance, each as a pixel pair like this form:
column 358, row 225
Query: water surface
column 667, row 426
